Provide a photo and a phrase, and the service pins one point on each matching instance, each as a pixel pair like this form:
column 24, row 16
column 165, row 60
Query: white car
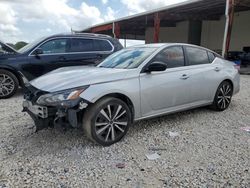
column 132, row 84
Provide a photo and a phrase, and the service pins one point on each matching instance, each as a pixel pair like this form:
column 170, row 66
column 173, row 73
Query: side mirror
column 156, row 67
column 38, row 51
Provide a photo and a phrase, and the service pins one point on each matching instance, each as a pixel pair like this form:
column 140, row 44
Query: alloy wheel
column 111, row 122
column 224, row 95
column 7, row 85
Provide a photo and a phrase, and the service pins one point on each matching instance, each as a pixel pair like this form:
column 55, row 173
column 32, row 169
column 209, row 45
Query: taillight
column 237, row 64
column 237, row 67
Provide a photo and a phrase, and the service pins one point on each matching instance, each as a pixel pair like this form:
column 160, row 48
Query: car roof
column 155, row 45
column 92, row 35
column 159, row 45
column 162, row 45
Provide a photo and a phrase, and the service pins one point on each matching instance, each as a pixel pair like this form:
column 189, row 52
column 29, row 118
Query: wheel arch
column 122, row 97
column 225, row 80
column 13, row 71
column 230, row 81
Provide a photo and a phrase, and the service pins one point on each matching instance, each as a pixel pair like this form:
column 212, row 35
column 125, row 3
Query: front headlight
column 62, row 98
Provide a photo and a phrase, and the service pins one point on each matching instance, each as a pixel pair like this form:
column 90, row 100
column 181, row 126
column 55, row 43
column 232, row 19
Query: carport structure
column 209, row 23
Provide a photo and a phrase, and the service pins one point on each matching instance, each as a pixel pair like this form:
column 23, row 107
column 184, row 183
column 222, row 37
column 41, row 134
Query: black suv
column 47, row 54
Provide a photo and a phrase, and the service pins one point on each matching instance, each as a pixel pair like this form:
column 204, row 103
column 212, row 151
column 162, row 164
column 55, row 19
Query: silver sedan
column 133, row 84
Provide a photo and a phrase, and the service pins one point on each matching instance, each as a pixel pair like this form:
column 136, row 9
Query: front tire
column 8, row 84
column 107, row 121
column 223, row 96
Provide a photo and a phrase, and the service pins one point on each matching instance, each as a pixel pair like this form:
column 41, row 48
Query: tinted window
column 197, row 56
column 54, row 46
column 82, row 45
column 211, row 56
column 172, row 56
column 102, row 45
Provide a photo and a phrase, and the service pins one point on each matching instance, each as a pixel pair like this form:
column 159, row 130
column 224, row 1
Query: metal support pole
column 113, row 29
column 157, row 23
column 229, row 13
column 116, row 30
column 125, row 41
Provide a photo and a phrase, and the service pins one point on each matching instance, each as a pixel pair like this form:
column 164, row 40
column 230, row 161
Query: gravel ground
column 210, row 151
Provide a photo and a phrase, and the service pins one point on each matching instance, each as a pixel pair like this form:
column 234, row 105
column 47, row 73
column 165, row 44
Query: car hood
column 7, row 49
column 71, row 77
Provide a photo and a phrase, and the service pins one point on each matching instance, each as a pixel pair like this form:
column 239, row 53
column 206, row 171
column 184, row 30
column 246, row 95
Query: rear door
column 87, row 51
column 203, row 74
column 103, row 48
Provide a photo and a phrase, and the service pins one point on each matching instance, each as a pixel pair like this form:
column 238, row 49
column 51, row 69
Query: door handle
column 184, row 77
column 217, row 69
column 61, row 58
column 99, row 56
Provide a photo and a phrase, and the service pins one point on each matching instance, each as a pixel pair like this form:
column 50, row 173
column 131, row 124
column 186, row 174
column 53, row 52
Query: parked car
column 242, row 56
column 245, row 56
column 133, row 84
column 47, row 54
column 234, row 55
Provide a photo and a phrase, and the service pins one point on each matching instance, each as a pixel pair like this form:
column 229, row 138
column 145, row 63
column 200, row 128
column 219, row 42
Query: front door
column 54, row 55
column 168, row 90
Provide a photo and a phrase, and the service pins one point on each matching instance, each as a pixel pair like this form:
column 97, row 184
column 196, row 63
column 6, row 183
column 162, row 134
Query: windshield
column 127, row 58
column 30, row 45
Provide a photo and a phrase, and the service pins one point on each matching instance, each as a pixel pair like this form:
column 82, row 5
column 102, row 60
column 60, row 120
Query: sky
column 28, row 20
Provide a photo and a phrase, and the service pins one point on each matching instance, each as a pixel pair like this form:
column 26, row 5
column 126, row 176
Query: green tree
column 20, row 44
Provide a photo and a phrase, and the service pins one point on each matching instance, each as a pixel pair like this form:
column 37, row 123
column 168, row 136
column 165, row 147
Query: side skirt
column 174, row 110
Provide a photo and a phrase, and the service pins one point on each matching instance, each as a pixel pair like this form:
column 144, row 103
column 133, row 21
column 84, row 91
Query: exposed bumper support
column 45, row 117
column 39, row 122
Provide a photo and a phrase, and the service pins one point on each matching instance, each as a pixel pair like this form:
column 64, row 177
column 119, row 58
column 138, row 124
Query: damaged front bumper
column 67, row 113
column 45, row 116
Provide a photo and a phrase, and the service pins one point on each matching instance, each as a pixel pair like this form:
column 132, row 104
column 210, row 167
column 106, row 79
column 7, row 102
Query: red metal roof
column 133, row 27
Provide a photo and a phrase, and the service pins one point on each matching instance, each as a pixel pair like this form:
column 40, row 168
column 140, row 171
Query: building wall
column 212, row 33
column 241, row 31
column 169, row 34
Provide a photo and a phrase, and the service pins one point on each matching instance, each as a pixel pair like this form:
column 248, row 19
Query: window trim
column 112, row 46
column 67, row 40
column 109, row 51
column 209, row 57
column 150, row 61
column 47, row 40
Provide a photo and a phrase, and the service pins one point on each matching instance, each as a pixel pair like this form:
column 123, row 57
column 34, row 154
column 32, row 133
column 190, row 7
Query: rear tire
column 223, row 96
column 107, row 121
column 8, row 84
